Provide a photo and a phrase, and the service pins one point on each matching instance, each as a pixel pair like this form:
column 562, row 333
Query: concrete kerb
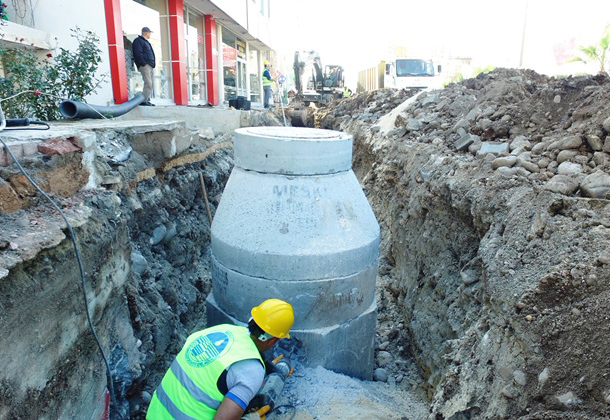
column 221, row 121
column 88, row 135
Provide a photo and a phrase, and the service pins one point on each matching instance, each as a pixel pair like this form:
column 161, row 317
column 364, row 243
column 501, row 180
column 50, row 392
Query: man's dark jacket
column 143, row 52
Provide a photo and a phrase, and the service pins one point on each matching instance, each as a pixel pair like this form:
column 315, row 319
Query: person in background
column 144, row 57
column 267, row 83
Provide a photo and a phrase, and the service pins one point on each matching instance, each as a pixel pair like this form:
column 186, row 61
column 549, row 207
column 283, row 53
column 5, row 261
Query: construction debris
column 492, row 195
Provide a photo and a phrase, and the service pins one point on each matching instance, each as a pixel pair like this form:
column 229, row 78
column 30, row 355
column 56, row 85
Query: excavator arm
column 307, row 63
column 310, row 85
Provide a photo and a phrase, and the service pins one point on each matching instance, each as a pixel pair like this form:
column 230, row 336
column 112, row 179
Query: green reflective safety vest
column 188, row 389
column 267, row 82
column 345, row 93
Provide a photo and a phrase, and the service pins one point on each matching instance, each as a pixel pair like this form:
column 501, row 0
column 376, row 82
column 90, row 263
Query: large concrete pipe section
column 294, row 224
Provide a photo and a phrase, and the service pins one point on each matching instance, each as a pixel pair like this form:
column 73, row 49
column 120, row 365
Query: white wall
column 259, row 25
column 236, row 9
column 59, row 16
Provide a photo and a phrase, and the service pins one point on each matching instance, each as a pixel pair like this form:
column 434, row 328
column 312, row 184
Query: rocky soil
column 144, row 246
column 492, row 195
column 494, row 282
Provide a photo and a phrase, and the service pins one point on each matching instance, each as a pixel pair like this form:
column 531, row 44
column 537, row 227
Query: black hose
column 24, row 124
column 74, row 109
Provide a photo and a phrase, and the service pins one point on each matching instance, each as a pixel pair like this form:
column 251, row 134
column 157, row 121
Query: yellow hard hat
column 275, row 317
column 266, row 63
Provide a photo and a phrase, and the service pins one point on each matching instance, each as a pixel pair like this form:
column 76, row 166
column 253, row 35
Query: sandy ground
column 318, row 393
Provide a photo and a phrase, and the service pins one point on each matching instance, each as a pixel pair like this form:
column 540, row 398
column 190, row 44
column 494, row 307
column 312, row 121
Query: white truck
column 400, row 73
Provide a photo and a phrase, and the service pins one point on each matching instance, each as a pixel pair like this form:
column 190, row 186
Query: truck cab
column 412, row 73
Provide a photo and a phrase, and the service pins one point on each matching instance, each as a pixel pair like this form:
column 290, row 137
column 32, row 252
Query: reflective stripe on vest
column 170, row 406
column 189, row 389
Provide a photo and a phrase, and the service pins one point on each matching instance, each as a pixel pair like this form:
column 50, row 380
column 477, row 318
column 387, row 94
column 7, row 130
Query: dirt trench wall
column 501, row 282
column 50, row 364
column 501, row 286
column 145, row 252
column 143, row 233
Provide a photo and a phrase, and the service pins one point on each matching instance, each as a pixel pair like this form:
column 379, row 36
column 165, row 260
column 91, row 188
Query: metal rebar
column 205, row 198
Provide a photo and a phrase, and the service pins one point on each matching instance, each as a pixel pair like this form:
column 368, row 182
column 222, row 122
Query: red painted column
column 178, row 51
column 116, row 50
column 211, row 62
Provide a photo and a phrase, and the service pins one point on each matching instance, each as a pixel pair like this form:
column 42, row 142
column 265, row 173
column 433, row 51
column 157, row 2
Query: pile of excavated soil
column 492, row 195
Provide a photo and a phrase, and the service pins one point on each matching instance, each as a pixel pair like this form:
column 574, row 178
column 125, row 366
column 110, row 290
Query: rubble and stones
column 526, row 227
column 493, row 289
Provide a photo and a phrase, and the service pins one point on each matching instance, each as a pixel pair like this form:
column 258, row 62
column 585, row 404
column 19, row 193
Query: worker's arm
column 244, row 379
column 228, row 410
column 267, row 74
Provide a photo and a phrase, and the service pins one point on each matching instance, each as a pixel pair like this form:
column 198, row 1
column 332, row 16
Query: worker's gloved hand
column 251, row 416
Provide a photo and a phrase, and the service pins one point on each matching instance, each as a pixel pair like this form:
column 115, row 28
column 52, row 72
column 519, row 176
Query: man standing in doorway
column 144, row 57
column 267, row 82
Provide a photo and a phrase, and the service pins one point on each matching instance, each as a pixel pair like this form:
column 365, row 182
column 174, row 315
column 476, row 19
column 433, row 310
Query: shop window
column 195, row 64
column 153, row 14
column 229, row 64
column 255, row 76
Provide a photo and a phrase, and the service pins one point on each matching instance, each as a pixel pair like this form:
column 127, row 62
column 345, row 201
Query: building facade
column 207, row 51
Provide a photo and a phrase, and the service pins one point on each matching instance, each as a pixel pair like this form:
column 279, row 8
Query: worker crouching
column 220, row 369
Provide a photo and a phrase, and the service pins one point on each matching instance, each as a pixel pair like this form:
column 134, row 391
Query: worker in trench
column 220, row 369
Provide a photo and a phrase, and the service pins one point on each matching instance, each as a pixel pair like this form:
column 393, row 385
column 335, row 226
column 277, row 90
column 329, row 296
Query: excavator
column 315, row 84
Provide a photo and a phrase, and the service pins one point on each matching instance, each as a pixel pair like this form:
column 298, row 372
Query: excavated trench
column 492, row 290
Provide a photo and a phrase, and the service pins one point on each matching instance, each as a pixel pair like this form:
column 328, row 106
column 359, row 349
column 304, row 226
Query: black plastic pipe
column 74, row 109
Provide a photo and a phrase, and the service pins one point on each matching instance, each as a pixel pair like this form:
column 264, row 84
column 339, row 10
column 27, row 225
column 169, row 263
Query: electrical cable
column 28, row 128
column 77, row 254
column 16, row 124
column 21, row 9
column 32, row 9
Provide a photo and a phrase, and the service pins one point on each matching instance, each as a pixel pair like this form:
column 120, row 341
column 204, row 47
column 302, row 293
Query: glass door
column 240, row 47
column 241, row 77
column 154, row 14
column 255, row 77
column 229, row 64
column 195, row 64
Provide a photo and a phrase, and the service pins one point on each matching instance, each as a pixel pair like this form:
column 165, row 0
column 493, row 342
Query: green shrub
column 63, row 75
column 597, row 53
column 479, row 70
column 457, row 77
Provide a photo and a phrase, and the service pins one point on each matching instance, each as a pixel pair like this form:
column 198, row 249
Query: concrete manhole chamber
column 294, row 224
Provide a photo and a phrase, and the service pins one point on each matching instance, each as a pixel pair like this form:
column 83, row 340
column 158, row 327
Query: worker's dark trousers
column 267, row 90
